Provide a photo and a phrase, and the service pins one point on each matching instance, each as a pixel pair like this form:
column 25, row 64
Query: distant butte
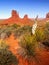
column 22, row 21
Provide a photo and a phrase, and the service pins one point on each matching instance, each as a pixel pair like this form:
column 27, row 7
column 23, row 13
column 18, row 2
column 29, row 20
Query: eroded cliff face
column 26, row 16
column 47, row 15
column 15, row 18
column 14, row 14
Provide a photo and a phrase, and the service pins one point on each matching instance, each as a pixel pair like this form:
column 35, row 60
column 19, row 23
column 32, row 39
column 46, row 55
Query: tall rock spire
column 15, row 14
column 26, row 16
column 47, row 15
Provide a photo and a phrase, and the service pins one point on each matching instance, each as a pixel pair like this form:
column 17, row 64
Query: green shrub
column 28, row 48
column 6, row 56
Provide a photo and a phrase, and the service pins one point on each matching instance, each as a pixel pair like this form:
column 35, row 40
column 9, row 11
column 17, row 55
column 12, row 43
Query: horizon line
column 22, row 16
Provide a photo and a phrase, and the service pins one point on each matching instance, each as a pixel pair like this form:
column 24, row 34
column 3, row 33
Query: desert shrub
column 15, row 25
column 27, row 48
column 22, row 30
column 46, row 33
column 7, row 30
column 46, row 29
column 6, row 56
column 39, row 35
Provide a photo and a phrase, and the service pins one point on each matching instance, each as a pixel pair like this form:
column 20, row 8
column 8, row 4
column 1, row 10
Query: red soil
column 43, row 55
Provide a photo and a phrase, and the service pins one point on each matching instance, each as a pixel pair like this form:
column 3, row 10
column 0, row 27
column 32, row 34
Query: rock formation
column 47, row 15
column 15, row 14
column 26, row 16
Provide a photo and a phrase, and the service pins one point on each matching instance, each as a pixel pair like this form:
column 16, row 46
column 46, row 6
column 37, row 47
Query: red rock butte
column 22, row 21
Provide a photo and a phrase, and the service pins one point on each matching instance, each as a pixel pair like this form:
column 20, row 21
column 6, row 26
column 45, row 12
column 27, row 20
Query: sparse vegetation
column 6, row 56
column 22, row 30
column 46, row 33
column 39, row 35
column 6, row 31
column 27, row 48
column 28, row 42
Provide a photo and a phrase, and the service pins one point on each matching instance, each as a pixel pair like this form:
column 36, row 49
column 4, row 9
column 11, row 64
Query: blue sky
column 30, row 7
